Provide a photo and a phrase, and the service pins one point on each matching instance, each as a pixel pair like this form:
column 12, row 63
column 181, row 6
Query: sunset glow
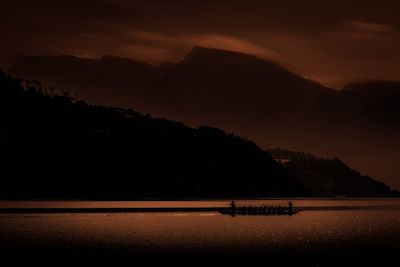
column 335, row 42
column 199, row 133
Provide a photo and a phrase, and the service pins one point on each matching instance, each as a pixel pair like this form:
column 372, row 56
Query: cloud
column 366, row 26
column 365, row 30
column 329, row 39
column 156, row 47
column 213, row 40
column 230, row 43
column 350, row 50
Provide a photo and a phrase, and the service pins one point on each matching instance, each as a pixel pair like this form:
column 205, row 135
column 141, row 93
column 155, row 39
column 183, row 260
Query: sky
column 333, row 42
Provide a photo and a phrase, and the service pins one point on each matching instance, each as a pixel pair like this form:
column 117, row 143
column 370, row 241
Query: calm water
column 324, row 232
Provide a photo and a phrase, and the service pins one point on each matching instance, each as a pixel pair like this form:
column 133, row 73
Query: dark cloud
column 332, row 41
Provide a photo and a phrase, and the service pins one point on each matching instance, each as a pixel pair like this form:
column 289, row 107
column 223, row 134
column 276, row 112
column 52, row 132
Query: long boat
column 229, row 211
column 259, row 210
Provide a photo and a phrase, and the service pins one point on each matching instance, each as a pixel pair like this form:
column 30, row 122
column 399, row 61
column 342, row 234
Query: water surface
column 366, row 230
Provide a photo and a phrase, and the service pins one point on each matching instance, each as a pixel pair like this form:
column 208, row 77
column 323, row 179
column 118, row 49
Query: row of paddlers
column 260, row 210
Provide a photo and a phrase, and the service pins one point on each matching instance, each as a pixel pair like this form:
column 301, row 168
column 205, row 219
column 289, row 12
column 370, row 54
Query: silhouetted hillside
column 361, row 124
column 109, row 80
column 330, row 177
column 53, row 146
column 234, row 91
column 254, row 98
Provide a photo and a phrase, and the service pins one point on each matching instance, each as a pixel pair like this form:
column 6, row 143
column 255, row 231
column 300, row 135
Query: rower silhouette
column 233, row 206
column 290, row 207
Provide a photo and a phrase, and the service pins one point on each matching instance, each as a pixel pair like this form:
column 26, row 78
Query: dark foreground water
column 327, row 232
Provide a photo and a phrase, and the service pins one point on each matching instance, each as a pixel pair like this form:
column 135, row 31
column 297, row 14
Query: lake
column 325, row 232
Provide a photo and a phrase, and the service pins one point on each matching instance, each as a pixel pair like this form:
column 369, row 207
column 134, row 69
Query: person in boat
column 269, row 210
column 233, row 206
column 290, row 207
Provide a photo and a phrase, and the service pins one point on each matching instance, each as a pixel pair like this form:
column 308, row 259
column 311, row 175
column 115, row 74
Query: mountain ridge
column 54, row 146
column 329, row 177
column 208, row 85
column 264, row 102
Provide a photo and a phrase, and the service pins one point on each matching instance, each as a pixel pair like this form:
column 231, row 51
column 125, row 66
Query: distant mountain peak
column 201, row 50
column 205, row 54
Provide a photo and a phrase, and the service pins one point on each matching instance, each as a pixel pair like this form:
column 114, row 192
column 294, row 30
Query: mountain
column 364, row 116
column 54, row 146
column 361, row 124
column 367, row 105
column 234, row 91
column 109, row 80
column 330, row 177
column 237, row 92
column 240, row 93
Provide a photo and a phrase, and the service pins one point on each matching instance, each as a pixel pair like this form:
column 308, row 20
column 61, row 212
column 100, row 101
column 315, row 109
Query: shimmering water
column 301, row 202
column 322, row 232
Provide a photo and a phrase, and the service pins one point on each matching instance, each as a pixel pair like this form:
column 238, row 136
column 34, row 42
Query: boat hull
column 229, row 211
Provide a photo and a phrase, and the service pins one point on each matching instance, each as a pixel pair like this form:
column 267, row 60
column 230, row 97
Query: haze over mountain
column 372, row 106
column 234, row 91
column 361, row 124
column 251, row 97
column 362, row 111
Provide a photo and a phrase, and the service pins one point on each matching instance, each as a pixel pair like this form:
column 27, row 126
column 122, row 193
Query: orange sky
column 334, row 42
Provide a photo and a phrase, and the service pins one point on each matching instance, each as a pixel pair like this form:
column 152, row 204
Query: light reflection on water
column 309, row 230
column 376, row 202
